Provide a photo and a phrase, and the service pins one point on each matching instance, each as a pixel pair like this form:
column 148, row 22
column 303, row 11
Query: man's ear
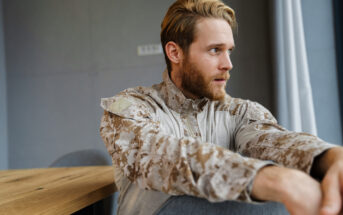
column 174, row 52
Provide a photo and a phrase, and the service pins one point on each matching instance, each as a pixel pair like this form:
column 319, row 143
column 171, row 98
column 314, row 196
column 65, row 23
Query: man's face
column 205, row 68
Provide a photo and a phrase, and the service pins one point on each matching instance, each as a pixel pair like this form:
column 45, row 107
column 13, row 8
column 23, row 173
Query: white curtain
column 294, row 93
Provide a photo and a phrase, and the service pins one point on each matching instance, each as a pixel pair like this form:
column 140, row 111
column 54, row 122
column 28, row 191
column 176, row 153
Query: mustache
column 226, row 76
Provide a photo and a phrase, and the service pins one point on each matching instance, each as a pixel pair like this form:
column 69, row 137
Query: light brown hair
column 179, row 22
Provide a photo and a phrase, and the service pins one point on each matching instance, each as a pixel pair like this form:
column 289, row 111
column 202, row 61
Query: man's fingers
column 331, row 203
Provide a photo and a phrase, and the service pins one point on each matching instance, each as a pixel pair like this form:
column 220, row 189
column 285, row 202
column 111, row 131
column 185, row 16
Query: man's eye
column 229, row 52
column 214, row 50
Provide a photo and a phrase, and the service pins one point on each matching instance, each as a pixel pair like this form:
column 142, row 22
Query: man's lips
column 220, row 80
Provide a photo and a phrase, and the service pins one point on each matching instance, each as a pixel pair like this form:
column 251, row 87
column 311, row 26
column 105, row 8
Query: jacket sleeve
column 160, row 161
column 259, row 136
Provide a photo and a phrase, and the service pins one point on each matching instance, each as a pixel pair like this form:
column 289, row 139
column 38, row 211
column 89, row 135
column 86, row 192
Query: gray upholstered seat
column 87, row 157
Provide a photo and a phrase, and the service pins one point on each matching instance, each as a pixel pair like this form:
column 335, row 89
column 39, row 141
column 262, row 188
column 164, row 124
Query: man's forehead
column 213, row 31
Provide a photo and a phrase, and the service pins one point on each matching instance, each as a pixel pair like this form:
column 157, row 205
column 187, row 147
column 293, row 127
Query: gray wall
column 3, row 100
column 319, row 33
column 63, row 56
column 252, row 76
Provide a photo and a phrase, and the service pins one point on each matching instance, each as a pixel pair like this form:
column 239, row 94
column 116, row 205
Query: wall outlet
column 149, row 49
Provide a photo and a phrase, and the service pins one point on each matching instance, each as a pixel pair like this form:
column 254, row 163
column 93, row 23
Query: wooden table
column 54, row 190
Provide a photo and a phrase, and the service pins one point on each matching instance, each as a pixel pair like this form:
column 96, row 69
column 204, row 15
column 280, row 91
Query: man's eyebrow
column 220, row 45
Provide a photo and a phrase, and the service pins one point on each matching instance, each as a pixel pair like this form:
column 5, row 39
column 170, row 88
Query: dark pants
column 189, row 205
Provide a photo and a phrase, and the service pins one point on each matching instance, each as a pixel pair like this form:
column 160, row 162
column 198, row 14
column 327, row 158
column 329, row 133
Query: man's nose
column 226, row 63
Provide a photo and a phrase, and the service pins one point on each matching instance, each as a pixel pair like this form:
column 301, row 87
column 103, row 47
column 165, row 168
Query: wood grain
column 54, row 190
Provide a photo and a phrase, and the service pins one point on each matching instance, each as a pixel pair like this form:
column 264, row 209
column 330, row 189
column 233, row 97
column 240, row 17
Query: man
column 186, row 136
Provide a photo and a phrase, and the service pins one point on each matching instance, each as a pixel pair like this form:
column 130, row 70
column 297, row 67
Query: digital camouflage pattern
column 161, row 141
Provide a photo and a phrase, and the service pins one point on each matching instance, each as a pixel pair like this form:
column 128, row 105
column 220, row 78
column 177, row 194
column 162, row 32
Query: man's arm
column 156, row 160
column 300, row 193
column 259, row 136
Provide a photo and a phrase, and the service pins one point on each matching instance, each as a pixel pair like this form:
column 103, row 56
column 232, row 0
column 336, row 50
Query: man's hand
column 331, row 166
column 332, row 187
column 299, row 192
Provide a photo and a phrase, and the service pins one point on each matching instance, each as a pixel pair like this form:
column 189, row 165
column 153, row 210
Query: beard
column 194, row 82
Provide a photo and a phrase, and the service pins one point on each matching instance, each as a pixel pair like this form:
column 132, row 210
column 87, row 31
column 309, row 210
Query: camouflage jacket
column 163, row 144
